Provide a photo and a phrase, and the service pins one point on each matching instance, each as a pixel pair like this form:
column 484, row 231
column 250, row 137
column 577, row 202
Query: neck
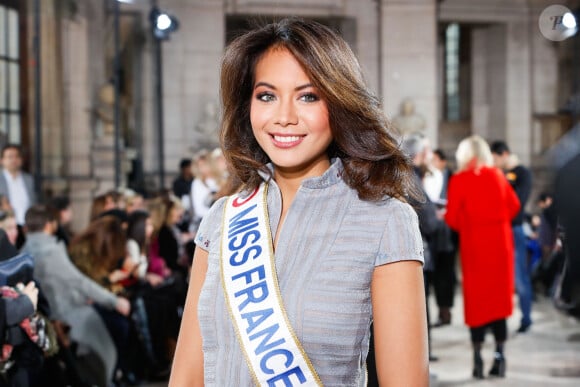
column 289, row 180
column 288, row 188
column 13, row 173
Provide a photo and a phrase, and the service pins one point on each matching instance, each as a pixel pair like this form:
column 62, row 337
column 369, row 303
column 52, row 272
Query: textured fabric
column 328, row 247
column 69, row 292
column 480, row 207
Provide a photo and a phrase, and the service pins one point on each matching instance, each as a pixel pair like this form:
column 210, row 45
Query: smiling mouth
column 287, row 141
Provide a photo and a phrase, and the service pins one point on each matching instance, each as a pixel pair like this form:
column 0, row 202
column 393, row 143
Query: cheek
column 12, row 230
column 258, row 116
column 318, row 121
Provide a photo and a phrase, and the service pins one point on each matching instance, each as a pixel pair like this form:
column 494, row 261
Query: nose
column 286, row 114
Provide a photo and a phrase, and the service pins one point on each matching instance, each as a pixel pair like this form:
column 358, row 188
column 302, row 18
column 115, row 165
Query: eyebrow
column 268, row 85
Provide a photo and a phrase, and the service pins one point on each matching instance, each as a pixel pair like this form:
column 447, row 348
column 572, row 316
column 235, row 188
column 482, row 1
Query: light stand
column 162, row 25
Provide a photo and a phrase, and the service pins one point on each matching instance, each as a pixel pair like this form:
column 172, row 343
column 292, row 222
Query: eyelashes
column 309, row 97
column 267, row 96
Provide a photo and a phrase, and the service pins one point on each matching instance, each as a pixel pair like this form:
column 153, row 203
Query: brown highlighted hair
column 100, row 248
column 362, row 137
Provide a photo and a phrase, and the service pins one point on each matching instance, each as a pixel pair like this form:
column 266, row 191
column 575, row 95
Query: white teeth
column 286, row 138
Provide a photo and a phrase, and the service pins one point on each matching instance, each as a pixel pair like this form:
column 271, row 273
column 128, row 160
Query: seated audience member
column 182, row 184
column 170, row 240
column 156, row 263
column 105, row 202
column 100, row 253
column 203, row 188
column 8, row 224
column 71, row 294
column 133, row 201
column 159, row 296
column 16, row 185
column 64, row 214
column 166, row 246
column 19, row 360
column 139, row 232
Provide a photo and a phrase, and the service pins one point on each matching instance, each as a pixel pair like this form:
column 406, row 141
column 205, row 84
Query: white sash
column 248, row 272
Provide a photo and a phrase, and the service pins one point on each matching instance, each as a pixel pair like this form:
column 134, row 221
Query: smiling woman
column 290, row 271
column 288, row 118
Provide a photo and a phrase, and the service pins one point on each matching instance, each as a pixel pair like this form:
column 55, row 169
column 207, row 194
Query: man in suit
column 16, row 185
column 520, row 178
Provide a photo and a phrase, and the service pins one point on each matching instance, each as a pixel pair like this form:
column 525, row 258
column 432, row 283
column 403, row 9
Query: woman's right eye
column 265, row 97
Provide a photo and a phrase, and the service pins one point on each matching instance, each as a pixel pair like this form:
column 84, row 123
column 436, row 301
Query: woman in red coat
column 480, row 207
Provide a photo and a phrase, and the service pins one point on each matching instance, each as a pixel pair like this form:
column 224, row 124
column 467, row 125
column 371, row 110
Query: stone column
column 480, row 116
column 409, row 41
column 52, row 98
column 518, row 89
column 496, row 81
column 79, row 71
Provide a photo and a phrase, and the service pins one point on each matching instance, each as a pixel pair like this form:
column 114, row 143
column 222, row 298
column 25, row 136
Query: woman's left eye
column 309, row 97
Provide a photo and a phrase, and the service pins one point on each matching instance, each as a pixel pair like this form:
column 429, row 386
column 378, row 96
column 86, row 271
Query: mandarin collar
column 330, row 177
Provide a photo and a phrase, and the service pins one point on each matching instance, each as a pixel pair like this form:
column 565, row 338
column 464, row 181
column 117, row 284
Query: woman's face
column 289, row 119
column 136, row 204
column 9, row 225
column 149, row 228
column 204, row 168
column 175, row 215
column 66, row 216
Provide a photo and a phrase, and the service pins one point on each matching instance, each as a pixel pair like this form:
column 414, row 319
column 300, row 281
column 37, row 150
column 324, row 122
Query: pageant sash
column 248, row 272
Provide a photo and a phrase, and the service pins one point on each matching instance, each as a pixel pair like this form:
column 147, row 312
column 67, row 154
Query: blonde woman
column 480, row 207
column 204, row 186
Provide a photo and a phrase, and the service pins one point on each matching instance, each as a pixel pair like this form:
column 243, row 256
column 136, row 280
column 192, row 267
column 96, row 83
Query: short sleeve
column 209, row 228
column 401, row 238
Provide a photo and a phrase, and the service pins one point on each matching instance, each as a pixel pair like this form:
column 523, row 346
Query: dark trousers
column 118, row 327
column 498, row 328
column 444, row 278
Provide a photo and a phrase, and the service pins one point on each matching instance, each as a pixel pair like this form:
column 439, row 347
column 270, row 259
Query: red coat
column 480, row 206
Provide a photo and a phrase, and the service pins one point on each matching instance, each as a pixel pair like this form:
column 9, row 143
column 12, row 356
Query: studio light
column 162, row 23
column 569, row 20
column 570, row 23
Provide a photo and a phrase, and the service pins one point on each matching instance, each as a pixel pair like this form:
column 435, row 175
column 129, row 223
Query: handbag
column 17, row 269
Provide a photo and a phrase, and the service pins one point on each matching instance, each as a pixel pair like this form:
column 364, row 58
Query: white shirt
column 202, row 195
column 17, row 195
column 433, row 184
column 135, row 253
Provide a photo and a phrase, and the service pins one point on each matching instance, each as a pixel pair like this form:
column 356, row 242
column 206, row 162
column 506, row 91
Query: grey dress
column 327, row 250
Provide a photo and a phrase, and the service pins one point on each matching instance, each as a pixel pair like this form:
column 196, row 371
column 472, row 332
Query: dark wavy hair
column 373, row 163
column 100, row 247
column 137, row 228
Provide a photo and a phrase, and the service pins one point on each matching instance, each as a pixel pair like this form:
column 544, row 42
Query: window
column 452, row 108
column 10, row 85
